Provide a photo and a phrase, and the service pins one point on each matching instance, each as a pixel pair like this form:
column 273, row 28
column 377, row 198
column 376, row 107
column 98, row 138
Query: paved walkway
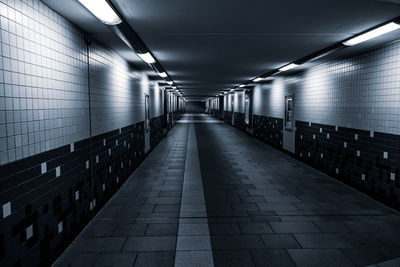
column 212, row 195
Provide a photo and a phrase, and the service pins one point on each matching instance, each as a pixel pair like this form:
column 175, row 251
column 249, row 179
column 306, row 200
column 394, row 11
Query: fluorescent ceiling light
column 257, row 79
column 288, row 67
column 162, row 74
column 102, row 10
column 225, row 93
column 242, row 85
column 176, row 90
column 170, row 82
column 391, row 26
column 232, row 90
column 147, row 57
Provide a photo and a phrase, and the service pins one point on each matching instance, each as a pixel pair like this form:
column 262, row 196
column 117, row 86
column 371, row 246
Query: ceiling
column 211, row 45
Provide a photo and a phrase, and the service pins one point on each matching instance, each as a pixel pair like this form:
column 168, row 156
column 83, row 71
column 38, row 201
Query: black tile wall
column 268, row 130
column 216, row 113
column 48, row 210
column 368, row 161
column 239, row 121
column 228, row 117
column 156, row 130
column 177, row 114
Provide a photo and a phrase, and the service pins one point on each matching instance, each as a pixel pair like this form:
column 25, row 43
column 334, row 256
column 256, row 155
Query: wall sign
column 289, row 116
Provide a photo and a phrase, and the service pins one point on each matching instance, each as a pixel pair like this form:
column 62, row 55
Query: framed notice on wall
column 289, row 116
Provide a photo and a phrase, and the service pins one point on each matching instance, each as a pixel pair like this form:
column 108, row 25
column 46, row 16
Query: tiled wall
column 238, row 100
column 347, row 116
column 156, row 100
column 54, row 176
column 361, row 92
column 268, row 129
column 367, row 160
column 43, row 81
column 117, row 94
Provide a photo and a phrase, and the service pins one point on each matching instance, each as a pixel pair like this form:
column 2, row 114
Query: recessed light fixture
column 162, row 74
column 242, row 85
column 391, row 26
column 288, row 67
column 147, row 57
column 232, row 90
column 102, row 10
column 257, row 79
column 170, row 82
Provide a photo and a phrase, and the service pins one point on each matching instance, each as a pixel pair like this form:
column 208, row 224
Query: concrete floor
column 212, row 195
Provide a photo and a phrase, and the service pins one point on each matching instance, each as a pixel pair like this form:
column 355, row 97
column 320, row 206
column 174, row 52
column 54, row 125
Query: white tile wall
column 44, row 101
column 239, row 101
column 361, row 92
column 269, row 99
column 43, row 81
column 117, row 94
column 228, row 100
column 156, row 100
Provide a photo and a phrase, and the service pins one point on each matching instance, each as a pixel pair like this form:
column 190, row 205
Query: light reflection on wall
column 361, row 92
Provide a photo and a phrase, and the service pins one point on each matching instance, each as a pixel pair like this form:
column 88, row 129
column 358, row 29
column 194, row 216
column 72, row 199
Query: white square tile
column 29, row 232
column 43, row 167
column 60, row 227
column 6, row 209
